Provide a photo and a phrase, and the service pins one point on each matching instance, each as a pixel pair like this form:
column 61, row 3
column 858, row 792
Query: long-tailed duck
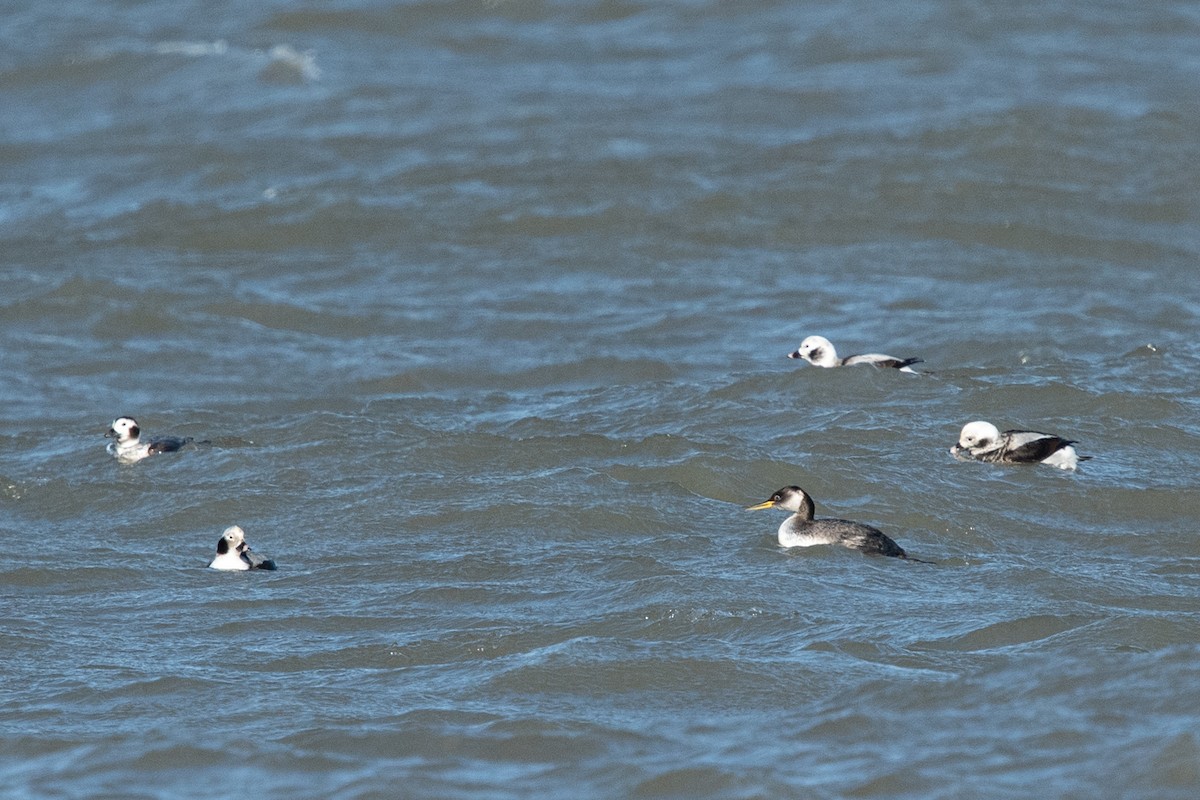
column 130, row 447
column 801, row 530
column 818, row 351
column 983, row 441
column 234, row 554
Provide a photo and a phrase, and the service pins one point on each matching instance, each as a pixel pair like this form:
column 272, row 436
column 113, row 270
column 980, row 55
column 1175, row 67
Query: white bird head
column 124, row 429
column 818, row 351
column 979, row 436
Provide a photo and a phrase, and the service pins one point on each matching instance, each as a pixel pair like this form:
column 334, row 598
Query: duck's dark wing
column 880, row 360
column 255, row 560
column 168, row 445
column 1032, row 446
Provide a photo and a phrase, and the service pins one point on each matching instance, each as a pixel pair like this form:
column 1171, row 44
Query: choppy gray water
column 484, row 309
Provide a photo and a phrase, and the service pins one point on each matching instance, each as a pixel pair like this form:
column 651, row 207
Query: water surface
column 483, row 309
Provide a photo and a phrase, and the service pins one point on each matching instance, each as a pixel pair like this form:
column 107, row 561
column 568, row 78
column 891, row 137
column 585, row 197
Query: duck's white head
column 124, row 430
column 818, row 351
column 979, row 437
column 233, row 539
